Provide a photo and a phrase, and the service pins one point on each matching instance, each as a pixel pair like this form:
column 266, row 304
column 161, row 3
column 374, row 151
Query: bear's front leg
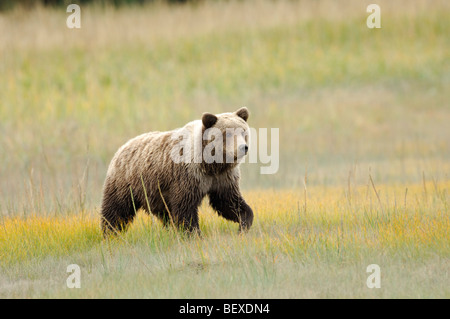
column 230, row 204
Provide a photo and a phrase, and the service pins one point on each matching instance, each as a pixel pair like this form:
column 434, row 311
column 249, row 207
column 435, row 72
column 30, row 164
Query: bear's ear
column 242, row 113
column 209, row 120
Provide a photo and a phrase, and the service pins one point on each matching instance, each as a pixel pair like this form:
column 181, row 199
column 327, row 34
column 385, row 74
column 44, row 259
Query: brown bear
column 169, row 174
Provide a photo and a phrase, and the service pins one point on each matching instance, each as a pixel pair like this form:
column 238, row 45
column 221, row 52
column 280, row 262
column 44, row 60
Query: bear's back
column 137, row 152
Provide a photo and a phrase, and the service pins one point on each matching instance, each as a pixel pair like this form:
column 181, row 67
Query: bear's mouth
column 236, row 158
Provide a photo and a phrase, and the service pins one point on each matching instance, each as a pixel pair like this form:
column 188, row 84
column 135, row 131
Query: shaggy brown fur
column 142, row 174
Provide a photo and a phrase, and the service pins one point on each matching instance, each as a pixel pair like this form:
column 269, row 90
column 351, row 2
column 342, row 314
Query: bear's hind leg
column 185, row 217
column 116, row 214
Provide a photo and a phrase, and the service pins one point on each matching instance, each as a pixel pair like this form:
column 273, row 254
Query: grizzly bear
column 169, row 174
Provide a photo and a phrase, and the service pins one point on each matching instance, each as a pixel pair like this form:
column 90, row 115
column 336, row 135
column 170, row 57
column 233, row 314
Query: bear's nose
column 243, row 148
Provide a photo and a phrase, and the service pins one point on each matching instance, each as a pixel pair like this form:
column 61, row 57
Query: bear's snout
column 243, row 148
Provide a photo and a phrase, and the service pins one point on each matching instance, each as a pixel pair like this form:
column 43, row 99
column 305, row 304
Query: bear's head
column 225, row 139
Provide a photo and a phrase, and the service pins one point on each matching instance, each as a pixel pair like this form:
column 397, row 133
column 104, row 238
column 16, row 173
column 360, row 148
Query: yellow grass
column 405, row 218
column 335, row 231
column 318, row 239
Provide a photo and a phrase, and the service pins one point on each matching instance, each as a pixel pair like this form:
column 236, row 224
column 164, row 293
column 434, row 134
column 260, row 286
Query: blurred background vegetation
column 10, row 4
column 349, row 101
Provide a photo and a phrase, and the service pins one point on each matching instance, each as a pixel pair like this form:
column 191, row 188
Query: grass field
column 364, row 147
column 293, row 251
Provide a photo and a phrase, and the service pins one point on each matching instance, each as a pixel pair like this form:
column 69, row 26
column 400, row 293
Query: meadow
column 364, row 147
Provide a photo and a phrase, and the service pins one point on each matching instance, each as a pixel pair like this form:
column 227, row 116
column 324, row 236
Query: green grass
column 350, row 103
column 295, row 250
